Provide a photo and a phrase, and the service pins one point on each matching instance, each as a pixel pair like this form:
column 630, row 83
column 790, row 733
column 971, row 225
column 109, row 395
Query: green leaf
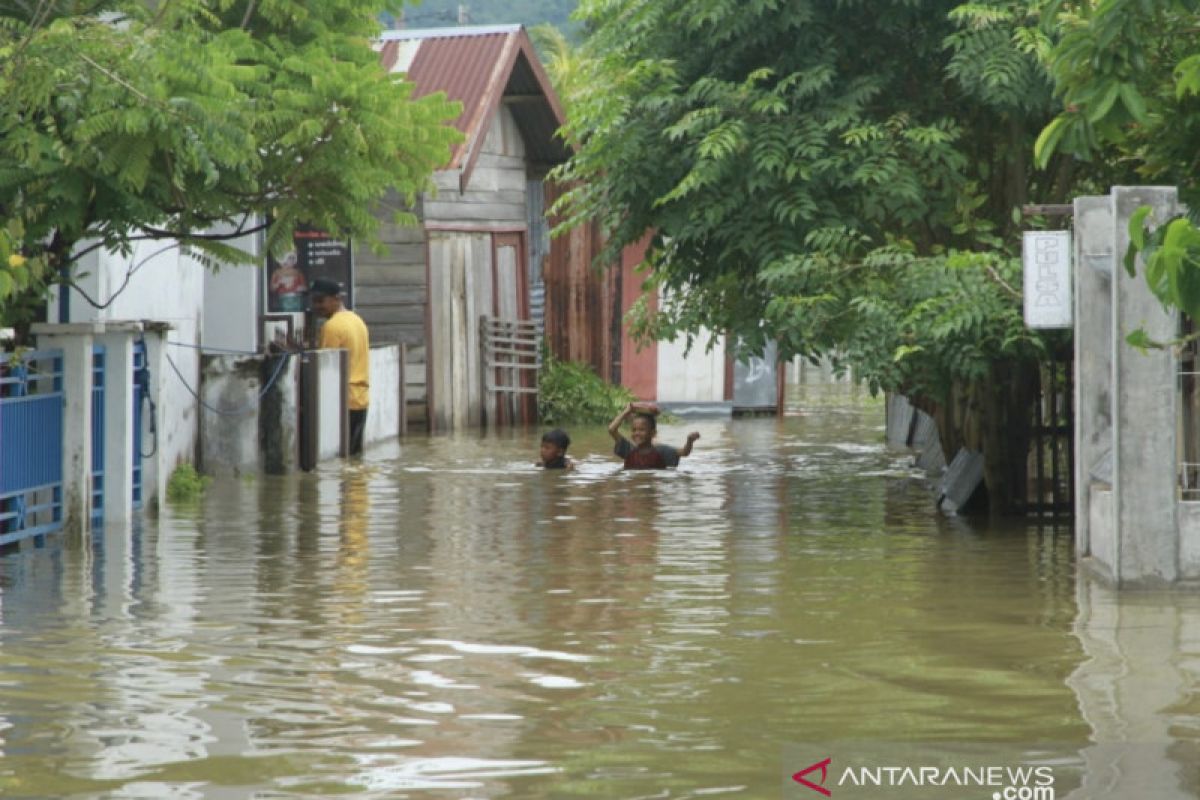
column 1141, row 341
column 1133, row 101
column 1048, row 140
column 1100, row 110
column 1137, row 238
column 905, row 350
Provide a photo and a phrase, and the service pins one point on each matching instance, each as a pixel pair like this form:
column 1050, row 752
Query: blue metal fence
column 140, row 379
column 98, row 356
column 31, row 441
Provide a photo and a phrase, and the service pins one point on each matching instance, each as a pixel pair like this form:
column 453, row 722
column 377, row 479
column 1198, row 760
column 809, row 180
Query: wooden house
column 483, row 236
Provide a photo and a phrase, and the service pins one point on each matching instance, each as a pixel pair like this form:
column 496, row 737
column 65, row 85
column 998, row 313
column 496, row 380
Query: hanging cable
column 250, row 406
column 141, row 377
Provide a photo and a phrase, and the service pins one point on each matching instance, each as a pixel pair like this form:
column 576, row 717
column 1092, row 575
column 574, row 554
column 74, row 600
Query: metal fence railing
column 511, row 360
column 98, row 358
column 31, row 440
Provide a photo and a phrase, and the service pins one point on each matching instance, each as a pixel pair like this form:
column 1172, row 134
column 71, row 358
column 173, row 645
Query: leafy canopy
column 841, row 177
column 1128, row 72
column 124, row 119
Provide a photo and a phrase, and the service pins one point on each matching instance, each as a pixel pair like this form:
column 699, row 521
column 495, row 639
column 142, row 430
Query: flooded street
column 442, row 620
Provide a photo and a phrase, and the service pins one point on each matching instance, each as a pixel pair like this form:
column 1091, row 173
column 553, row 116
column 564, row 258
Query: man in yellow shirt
column 344, row 329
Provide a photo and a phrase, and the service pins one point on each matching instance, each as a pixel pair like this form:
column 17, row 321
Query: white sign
column 1047, row 259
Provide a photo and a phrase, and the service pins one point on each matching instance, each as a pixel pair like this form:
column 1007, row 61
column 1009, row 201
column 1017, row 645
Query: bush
column 569, row 391
column 185, row 484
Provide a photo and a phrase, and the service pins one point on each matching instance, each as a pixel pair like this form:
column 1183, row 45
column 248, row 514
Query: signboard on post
column 1047, row 260
column 314, row 255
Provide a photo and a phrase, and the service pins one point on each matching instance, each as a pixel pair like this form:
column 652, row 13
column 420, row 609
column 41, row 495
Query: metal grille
column 31, row 441
column 139, row 367
column 1052, row 489
column 98, row 356
column 512, row 358
column 1188, row 387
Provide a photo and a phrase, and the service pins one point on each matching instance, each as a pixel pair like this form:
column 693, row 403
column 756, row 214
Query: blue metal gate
column 140, row 386
column 31, row 442
column 98, row 356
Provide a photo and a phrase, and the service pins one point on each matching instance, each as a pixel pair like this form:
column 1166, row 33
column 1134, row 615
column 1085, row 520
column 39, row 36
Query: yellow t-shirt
column 345, row 329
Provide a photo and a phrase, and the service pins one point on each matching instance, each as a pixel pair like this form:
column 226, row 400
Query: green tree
column 123, row 120
column 563, row 62
column 841, row 177
column 1129, row 76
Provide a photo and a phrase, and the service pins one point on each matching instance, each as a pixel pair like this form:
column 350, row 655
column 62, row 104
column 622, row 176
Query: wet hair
column 650, row 420
column 557, row 437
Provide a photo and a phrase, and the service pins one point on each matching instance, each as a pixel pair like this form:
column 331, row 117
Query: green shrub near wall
column 570, row 391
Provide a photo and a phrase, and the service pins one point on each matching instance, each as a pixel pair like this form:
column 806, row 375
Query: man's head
column 554, row 444
column 643, row 428
column 325, row 296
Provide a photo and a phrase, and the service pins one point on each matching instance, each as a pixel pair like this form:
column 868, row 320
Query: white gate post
column 117, row 340
column 1144, row 408
column 76, row 341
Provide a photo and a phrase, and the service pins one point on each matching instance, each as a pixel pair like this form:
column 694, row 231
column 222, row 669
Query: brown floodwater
column 441, row 620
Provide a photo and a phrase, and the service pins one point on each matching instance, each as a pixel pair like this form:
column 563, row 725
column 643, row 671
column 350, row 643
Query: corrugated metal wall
column 580, row 300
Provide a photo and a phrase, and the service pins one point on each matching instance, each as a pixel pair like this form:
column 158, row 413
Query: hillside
column 442, row 13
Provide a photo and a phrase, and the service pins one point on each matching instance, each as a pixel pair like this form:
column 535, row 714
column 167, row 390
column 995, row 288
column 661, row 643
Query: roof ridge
column 439, row 33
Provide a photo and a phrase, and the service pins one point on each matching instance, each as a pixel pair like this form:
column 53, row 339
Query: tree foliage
column 127, row 119
column 840, row 177
column 844, row 178
column 1128, row 72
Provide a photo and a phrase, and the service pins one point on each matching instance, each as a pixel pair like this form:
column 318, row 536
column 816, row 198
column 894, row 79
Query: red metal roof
column 479, row 67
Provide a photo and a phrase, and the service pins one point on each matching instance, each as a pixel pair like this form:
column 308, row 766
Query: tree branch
column 116, row 78
column 1003, row 283
column 249, row 13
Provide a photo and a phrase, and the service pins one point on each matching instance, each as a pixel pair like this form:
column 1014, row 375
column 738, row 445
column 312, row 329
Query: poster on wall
column 314, row 254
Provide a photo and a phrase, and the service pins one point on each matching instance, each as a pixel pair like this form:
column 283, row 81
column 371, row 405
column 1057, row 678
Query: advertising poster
column 314, row 254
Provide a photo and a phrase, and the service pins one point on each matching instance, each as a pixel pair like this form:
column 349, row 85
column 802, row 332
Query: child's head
column 643, row 428
column 554, row 444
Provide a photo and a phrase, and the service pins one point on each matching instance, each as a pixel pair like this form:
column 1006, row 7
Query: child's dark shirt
column 658, row 456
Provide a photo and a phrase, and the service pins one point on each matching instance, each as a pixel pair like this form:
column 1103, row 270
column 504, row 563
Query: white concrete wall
column 330, row 387
column 233, row 302
column 1189, row 540
column 698, row 377
column 230, row 434
column 1102, row 534
column 164, row 286
column 383, row 416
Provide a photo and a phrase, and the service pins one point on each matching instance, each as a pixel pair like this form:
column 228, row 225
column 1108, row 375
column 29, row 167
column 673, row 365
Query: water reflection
column 442, row 620
column 1139, row 690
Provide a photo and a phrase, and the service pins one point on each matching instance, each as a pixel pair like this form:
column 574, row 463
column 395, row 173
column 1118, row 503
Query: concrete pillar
column 230, row 386
column 117, row 339
column 1093, row 274
column 156, row 469
column 75, row 341
column 1143, row 410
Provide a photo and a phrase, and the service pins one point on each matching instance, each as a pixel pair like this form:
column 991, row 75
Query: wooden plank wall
column 461, row 284
column 580, row 299
column 390, row 289
column 460, row 227
column 495, row 193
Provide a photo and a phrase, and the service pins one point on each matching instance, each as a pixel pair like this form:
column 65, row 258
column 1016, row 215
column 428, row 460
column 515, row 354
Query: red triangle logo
column 816, row 787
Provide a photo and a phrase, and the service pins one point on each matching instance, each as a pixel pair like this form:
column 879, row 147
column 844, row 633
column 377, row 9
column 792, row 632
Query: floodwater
column 443, row 621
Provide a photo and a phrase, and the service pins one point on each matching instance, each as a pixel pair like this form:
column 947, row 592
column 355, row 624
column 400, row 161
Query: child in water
column 642, row 452
column 554, row 450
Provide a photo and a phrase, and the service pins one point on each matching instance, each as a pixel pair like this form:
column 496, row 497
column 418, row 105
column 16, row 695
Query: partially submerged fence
column 511, row 360
column 31, row 422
